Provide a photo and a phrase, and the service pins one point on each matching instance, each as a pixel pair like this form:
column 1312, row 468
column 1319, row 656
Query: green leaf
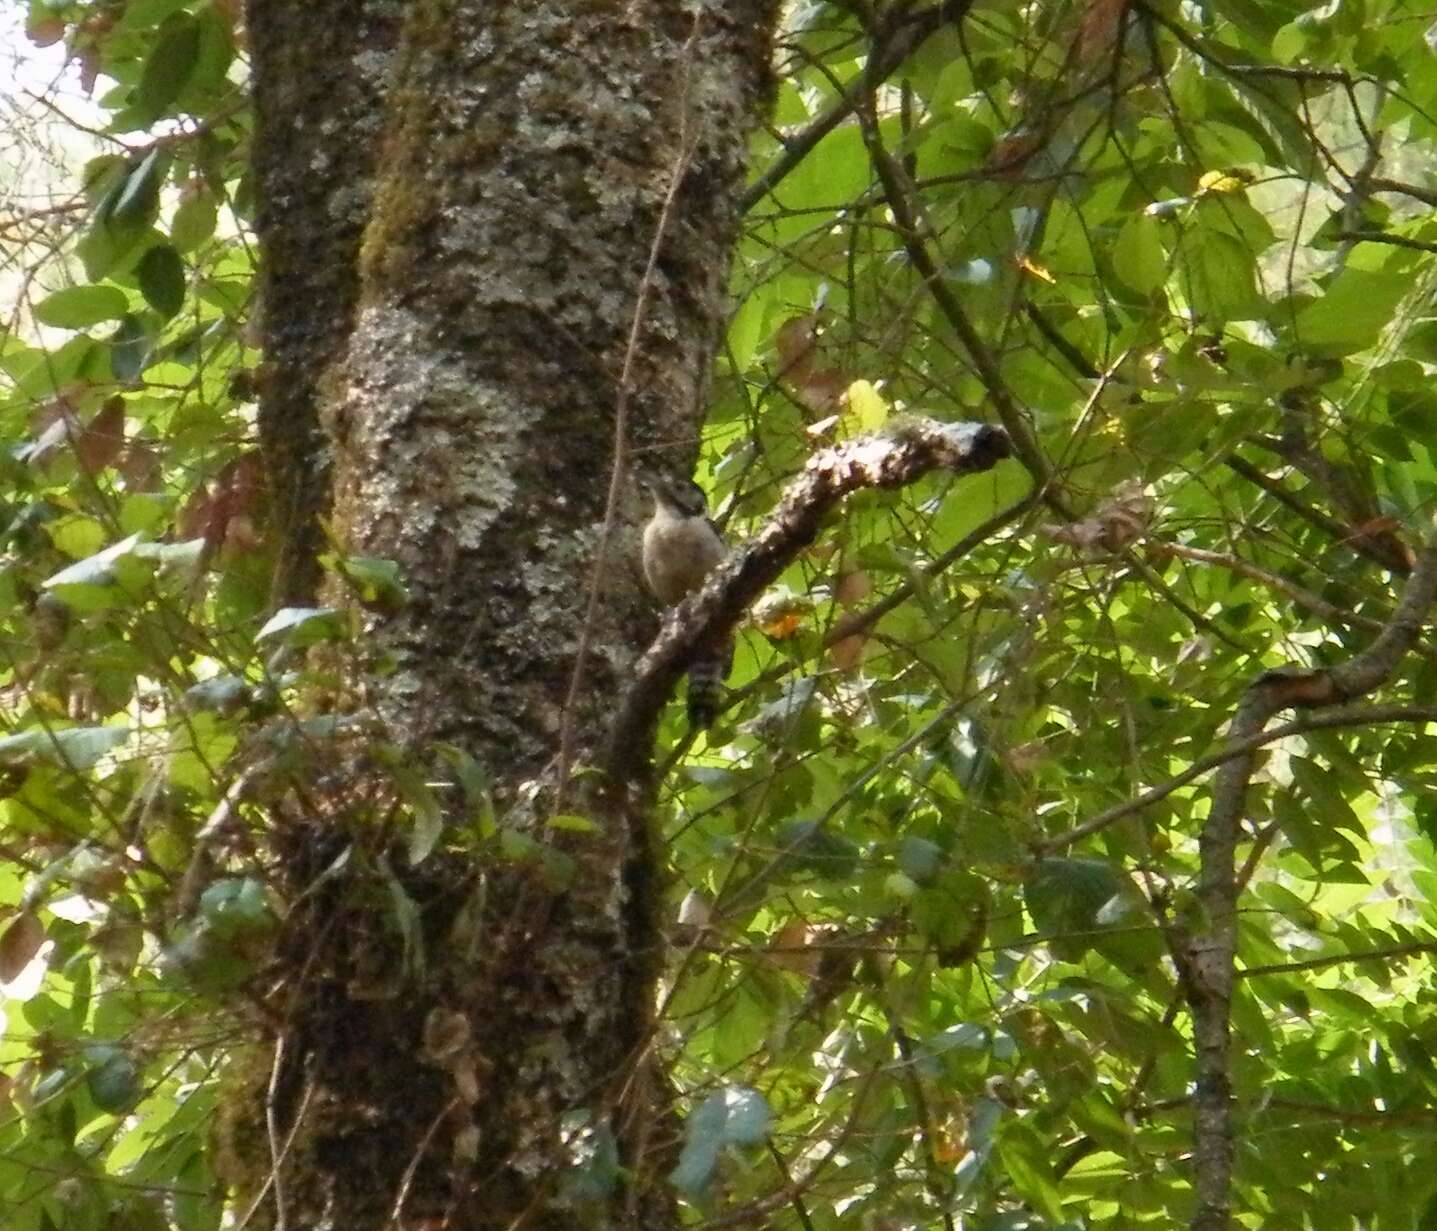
column 301, row 626
column 428, row 816
column 146, row 14
column 167, row 69
column 237, row 907
column 194, row 221
column 129, row 349
column 559, row 868
column 1217, row 277
column 113, row 1080
column 377, row 580
column 162, row 279
column 405, row 913
column 1352, row 312
column 572, row 822
column 68, row 747
column 101, row 580
column 1065, row 897
column 1139, row 257
column 136, row 199
column 79, row 306
column 868, row 411
column 733, row 1116
column 920, row 859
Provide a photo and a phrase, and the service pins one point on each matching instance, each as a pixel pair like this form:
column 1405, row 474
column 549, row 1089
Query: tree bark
column 550, row 198
column 320, row 73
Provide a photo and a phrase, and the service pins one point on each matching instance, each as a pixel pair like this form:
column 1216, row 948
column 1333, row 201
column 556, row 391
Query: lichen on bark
column 528, row 158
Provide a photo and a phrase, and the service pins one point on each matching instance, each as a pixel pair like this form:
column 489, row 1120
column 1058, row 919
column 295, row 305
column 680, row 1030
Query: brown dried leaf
column 446, row 1034
column 1101, row 25
column 847, row 652
column 100, row 441
column 1121, row 520
column 821, row 390
column 796, row 340
column 195, row 516
column 816, row 388
column 139, row 467
column 89, row 61
column 1012, row 152
column 45, row 31
column 19, row 943
column 1025, row 758
column 852, row 588
column 792, row 947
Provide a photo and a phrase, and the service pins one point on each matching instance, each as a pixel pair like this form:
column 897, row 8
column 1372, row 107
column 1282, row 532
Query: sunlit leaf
column 79, row 306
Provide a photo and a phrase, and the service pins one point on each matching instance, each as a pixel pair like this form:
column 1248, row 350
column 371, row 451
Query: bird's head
column 682, row 497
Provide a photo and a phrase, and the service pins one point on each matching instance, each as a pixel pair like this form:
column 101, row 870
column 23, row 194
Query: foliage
column 1196, row 244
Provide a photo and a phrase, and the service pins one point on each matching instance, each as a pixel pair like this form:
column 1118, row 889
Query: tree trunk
column 550, row 196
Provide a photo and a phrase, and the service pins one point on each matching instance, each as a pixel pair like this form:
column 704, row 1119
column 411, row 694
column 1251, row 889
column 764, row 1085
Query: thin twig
column 1367, row 716
column 1303, row 598
column 884, row 59
column 277, row 1156
column 1411, row 949
column 1385, row 237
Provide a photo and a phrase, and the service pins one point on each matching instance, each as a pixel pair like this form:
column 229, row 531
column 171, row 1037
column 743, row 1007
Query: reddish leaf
column 245, row 481
column 140, row 468
column 847, row 652
column 795, row 341
column 45, row 31
column 852, row 587
column 1012, row 153
column 98, row 444
column 194, row 517
column 1099, row 31
column 20, row 942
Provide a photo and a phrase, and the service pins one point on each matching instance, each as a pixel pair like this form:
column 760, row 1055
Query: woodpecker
column 681, row 548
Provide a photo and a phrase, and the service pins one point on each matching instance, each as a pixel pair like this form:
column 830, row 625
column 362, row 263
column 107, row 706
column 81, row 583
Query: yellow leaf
column 1037, row 271
column 866, row 406
column 1224, row 183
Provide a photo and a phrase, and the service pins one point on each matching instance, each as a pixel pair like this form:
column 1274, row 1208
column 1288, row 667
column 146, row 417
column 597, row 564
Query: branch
column 902, row 200
column 1206, row 958
column 1384, row 237
column 885, row 57
column 1303, row 598
column 1341, row 531
column 1425, row 195
column 1352, row 716
column 1410, row 949
column 912, row 447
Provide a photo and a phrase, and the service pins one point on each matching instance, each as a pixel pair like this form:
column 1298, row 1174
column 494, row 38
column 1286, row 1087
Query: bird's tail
column 707, row 673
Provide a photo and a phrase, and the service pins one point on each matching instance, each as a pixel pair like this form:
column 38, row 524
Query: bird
column 681, row 548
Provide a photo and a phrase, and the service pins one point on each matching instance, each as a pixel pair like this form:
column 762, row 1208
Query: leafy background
column 1195, row 243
